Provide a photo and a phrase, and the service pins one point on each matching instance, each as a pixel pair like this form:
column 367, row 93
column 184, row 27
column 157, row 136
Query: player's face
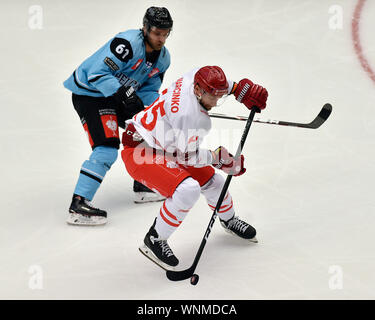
column 208, row 101
column 156, row 37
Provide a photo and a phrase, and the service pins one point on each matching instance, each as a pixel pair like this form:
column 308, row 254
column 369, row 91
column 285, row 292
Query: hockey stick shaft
column 316, row 123
column 185, row 274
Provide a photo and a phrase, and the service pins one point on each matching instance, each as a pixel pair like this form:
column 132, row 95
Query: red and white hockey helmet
column 212, row 79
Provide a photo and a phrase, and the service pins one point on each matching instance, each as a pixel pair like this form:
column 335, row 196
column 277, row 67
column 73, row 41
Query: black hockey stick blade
column 181, row 275
column 321, row 118
column 315, row 124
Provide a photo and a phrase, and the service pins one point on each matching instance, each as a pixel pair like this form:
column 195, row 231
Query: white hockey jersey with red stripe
column 177, row 123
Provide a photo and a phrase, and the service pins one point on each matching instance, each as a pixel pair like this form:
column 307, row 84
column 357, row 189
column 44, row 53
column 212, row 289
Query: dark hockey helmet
column 212, row 79
column 158, row 17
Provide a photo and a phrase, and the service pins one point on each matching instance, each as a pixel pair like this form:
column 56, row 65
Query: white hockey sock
column 175, row 209
column 211, row 190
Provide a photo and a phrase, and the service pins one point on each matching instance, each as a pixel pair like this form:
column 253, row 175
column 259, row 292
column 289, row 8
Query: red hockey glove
column 130, row 137
column 251, row 94
column 222, row 159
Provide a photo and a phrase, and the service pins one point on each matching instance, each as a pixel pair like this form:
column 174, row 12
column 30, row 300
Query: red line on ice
column 356, row 40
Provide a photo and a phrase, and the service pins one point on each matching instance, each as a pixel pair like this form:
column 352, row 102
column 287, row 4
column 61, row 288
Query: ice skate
column 158, row 251
column 239, row 228
column 142, row 194
column 81, row 212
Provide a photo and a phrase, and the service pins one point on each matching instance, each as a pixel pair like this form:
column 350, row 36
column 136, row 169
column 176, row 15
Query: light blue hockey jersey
column 121, row 61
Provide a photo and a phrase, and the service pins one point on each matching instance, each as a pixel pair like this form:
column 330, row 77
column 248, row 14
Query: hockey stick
column 315, row 124
column 189, row 273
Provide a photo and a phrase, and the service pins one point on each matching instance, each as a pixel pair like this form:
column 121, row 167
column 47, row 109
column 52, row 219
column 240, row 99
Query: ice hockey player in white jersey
column 162, row 150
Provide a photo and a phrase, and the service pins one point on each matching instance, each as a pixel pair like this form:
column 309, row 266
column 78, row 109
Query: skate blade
column 253, row 240
column 144, row 197
column 150, row 255
column 81, row 220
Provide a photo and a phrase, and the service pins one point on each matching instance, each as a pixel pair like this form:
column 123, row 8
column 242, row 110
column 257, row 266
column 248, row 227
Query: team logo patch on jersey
column 153, row 72
column 110, row 126
column 109, row 121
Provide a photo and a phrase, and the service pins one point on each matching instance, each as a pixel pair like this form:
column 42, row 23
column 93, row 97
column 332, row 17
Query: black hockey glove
column 129, row 103
column 127, row 97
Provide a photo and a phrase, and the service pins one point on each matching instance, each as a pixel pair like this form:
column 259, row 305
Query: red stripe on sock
column 167, row 221
column 222, row 207
column 168, row 213
column 231, row 206
column 184, row 210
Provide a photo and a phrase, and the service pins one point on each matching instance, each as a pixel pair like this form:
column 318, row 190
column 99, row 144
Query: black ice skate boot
column 144, row 194
column 81, row 212
column 239, row 228
column 158, row 251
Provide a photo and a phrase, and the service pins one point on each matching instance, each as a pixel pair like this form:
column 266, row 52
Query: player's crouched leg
column 229, row 221
column 181, row 191
column 171, row 214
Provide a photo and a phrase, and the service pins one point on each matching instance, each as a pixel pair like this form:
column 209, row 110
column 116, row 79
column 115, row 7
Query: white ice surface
column 309, row 193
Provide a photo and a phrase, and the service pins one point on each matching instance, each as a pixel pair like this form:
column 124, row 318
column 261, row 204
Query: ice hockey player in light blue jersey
column 109, row 87
column 122, row 61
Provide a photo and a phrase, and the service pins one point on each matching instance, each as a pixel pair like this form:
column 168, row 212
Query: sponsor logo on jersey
column 153, row 72
column 126, row 81
column 111, row 64
column 137, row 64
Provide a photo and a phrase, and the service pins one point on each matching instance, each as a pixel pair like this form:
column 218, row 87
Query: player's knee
column 216, row 182
column 104, row 155
column 187, row 193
